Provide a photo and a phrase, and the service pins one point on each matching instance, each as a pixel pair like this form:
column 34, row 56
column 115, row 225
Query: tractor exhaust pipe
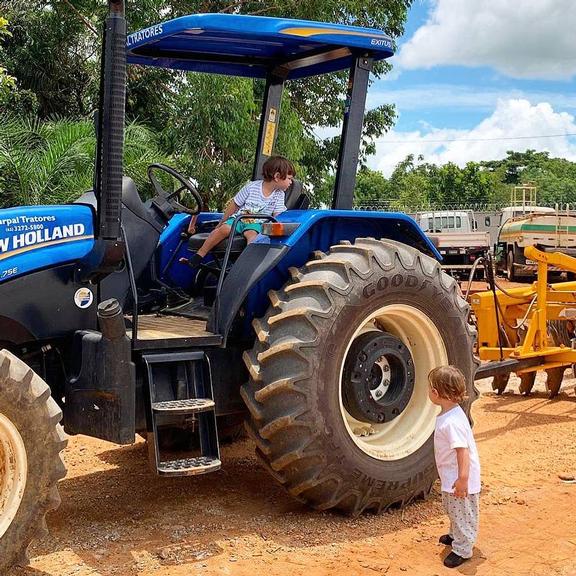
column 108, row 252
column 110, row 146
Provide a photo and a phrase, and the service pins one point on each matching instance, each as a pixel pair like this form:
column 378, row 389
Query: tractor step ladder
column 189, row 397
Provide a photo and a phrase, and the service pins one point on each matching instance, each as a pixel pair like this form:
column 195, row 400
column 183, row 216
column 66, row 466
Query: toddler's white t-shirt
column 453, row 431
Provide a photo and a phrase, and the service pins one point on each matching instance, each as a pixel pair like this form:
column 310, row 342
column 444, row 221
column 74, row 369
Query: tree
column 53, row 162
column 512, row 169
column 410, row 184
column 7, row 82
column 417, row 184
column 53, row 54
column 554, row 178
column 371, row 188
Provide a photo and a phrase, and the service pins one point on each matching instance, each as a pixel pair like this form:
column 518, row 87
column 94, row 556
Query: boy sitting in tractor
column 264, row 197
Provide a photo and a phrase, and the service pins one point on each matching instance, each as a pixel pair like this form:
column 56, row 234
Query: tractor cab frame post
column 269, row 120
column 343, row 198
column 353, row 121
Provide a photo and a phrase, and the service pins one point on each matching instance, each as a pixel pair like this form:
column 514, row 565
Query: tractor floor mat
column 193, row 308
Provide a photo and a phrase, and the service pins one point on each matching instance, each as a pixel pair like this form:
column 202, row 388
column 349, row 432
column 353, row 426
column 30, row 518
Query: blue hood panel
column 35, row 237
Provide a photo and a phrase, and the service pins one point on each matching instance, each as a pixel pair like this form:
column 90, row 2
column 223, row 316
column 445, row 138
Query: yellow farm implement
column 528, row 329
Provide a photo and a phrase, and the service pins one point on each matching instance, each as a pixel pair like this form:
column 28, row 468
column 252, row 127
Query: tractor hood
column 251, row 46
column 36, row 237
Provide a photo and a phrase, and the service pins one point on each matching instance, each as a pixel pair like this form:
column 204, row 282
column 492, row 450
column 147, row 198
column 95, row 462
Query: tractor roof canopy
column 253, row 46
column 277, row 49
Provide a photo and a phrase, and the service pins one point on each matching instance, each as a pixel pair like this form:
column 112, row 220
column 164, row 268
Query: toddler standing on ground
column 457, row 462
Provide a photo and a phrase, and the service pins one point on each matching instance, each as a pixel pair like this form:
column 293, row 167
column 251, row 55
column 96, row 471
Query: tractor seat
column 295, row 197
column 238, row 244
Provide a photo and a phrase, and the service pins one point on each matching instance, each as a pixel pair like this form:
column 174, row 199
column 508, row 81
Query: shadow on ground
column 111, row 518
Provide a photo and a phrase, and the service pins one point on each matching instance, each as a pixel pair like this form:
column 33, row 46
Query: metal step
column 187, row 421
column 189, row 466
column 187, row 406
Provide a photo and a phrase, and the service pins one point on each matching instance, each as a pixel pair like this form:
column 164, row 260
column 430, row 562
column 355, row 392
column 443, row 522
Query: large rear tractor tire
column 338, row 390
column 30, row 465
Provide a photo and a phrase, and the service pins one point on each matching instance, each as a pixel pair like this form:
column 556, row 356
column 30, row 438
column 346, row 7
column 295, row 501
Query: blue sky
column 475, row 78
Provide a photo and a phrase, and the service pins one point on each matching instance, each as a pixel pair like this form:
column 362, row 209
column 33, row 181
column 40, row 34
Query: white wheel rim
column 406, row 433
column 13, row 472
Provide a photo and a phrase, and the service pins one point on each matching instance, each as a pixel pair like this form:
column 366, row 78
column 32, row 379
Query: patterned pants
column 463, row 514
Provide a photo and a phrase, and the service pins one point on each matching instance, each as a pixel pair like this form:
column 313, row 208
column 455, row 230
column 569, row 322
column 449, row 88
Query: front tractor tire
column 338, row 390
column 30, row 465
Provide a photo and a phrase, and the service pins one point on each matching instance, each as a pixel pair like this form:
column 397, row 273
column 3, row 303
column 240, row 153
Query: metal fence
column 395, row 206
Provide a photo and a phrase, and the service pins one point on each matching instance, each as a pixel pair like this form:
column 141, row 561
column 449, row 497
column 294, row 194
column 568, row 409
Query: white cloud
column 530, row 39
column 489, row 140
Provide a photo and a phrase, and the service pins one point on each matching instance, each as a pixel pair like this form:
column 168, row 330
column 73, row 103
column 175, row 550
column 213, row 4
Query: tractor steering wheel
column 173, row 199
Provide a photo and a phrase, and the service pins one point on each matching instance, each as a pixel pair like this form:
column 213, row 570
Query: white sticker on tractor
column 83, row 297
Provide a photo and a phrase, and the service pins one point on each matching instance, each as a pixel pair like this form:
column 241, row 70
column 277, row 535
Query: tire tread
column 282, row 413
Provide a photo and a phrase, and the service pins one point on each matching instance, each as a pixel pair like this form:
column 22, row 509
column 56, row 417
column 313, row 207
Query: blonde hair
column 449, row 382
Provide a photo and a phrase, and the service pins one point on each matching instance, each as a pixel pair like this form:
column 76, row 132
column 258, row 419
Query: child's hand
column 461, row 488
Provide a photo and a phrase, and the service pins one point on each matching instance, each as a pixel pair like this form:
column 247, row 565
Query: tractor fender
column 266, row 266
column 13, row 333
column 324, row 228
column 257, row 262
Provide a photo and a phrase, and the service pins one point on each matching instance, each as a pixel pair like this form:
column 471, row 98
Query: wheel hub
column 378, row 377
column 13, row 472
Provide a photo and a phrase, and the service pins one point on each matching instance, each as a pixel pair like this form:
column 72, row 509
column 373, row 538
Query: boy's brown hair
column 449, row 382
column 278, row 164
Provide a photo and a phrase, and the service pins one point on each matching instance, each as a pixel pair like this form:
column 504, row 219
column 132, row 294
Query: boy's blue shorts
column 244, row 225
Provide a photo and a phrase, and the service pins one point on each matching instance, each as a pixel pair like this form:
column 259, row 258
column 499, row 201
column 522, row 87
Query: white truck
column 549, row 229
column 456, row 235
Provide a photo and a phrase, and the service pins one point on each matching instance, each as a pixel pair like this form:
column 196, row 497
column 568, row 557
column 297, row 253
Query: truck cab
column 447, row 221
column 455, row 234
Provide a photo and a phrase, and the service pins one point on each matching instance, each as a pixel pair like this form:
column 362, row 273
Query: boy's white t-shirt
column 453, row 431
column 251, row 200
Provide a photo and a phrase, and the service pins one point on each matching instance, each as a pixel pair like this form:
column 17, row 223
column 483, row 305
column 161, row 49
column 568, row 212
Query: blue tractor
column 320, row 334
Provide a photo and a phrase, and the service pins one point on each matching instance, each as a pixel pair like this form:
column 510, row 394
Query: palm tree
column 53, row 162
column 40, row 161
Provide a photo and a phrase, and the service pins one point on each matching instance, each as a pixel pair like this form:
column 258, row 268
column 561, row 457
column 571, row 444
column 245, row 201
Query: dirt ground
column 117, row 518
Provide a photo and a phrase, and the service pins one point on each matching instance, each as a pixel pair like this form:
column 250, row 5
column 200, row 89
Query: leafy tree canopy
column 415, row 184
column 7, row 82
column 208, row 125
column 51, row 162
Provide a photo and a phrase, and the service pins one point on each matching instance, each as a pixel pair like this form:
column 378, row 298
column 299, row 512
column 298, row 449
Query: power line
column 424, row 141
